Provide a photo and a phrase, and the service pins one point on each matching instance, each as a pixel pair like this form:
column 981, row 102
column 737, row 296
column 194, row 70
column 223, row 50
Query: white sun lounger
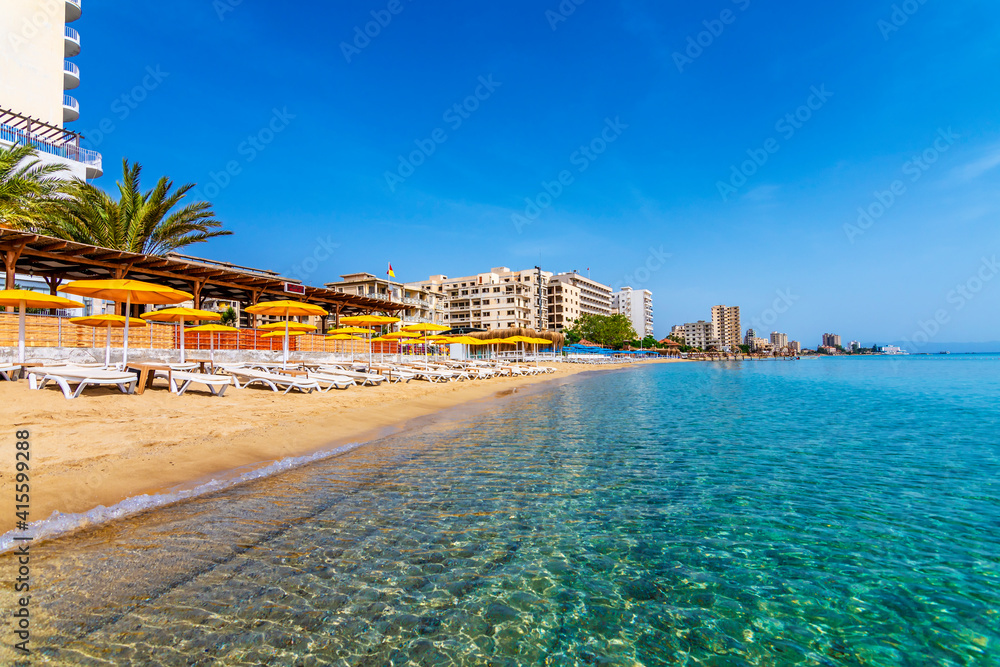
column 9, row 372
column 181, row 380
column 363, row 378
column 331, row 380
column 272, row 380
column 64, row 376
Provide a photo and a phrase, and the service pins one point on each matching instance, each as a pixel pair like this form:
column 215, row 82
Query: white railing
column 75, row 2
column 14, row 135
column 70, row 101
column 71, row 68
column 72, row 34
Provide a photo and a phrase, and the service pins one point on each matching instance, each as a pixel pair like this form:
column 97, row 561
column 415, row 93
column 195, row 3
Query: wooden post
column 197, row 285
column 10, row 258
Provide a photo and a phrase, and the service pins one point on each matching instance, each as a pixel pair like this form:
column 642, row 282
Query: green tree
column 228, row 317
column 29, row 190
column 152, row 222
column 611, row 331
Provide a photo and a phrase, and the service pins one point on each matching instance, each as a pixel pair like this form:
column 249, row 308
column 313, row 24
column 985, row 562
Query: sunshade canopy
column 181, row 315
column 285, row 307
column 343, row 337
column 368, row 320
column 209, row 328
column 110, row 321
column 425, row 327
column 349, row 330
column 134, row 291
column 281, row 334
column 292, row 326
column 15, row 297
column 401, row 335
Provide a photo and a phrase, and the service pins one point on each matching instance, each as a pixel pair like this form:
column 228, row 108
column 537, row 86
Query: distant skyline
column 834, row 168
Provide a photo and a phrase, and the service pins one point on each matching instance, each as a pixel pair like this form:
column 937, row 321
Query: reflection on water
column 759, row 514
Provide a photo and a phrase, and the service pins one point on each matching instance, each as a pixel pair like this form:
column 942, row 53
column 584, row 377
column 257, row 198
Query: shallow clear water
column 820, row 512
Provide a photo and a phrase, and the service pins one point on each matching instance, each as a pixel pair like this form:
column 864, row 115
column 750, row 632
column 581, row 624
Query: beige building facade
column 726, row 322
column 422, row 305
column 498, row 299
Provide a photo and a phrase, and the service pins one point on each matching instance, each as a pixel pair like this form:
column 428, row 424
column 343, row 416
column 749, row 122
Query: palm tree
column 29, row 190
column 140, row 222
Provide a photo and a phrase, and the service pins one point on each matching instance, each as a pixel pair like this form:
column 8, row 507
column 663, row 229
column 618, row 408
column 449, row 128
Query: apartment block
column 779, row 340
column 795, row 346
column 637, row 306
column 831, row 340
column 36, row 73
column 422, row 305
column 696, row 334
column 571, row 295
column 726, row 321
column 498, row 299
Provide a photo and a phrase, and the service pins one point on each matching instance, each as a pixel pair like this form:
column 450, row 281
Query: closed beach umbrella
column 286, row 309
column 23, row 299
column 107, row 322
column 129, row 291
column 181, row 315
column 210, row 329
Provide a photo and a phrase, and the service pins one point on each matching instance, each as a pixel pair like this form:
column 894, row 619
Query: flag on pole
column 392, row 274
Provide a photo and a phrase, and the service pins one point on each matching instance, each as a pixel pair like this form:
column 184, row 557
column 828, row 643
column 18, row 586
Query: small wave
column 60, row 525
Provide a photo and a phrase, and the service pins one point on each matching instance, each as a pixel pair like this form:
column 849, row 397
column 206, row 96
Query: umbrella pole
column 181, row 325
column 284, row 351
column 20, row 332
column 128, row 307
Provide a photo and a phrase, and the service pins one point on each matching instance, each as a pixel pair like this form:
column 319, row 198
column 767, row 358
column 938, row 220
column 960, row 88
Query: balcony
column 65, row 145
column 71, row 43
column 71, row 75
column 73, row 10
column 71, row 109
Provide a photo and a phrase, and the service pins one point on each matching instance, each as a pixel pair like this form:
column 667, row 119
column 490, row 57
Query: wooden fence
column 51, row 331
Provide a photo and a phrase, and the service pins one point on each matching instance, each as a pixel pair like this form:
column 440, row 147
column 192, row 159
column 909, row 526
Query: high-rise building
column 637, row 306
column 36, row 73
column 795, row 346
column 831, row 340
column 749, row 337
column 500, row 298
column 726, row 320
column 571, row 295
column 779, row 340
column 855, row 346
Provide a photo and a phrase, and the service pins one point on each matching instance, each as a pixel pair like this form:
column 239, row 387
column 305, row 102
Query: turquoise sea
column 815, row 512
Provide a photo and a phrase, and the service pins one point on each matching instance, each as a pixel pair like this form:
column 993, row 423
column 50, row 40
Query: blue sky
column 669, row 125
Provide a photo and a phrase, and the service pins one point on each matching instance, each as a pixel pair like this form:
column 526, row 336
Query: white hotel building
column 35, row 75
column 637, row 306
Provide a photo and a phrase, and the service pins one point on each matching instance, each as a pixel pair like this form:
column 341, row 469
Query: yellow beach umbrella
column 350, row 330
column 107, row 322
column 292, row 326
column 286, row 308
column 281, row 334
column 425, row 327
column 211, row 329
column 22, row 299
column 129, row 291
column 181, row 315
column 368, row 320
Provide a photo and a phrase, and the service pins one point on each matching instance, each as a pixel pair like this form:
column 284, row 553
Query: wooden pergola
column 58, row 260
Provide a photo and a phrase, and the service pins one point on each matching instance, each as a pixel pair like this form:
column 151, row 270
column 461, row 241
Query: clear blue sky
column 884, row 89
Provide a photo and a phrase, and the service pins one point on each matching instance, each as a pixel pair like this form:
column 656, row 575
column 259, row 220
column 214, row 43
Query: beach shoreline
column 104, row 448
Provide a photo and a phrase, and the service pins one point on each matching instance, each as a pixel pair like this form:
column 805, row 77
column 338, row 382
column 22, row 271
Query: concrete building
column 795, row 346
column 36, row 73
column 779, row 340
column 500, row 298
column 696, row 334
column 726, row 321
column 761, row 345
column 637, row 306
column 831, row 340
column 749, row 338
column 422, row 305
column 571, row 295
column 855, row 346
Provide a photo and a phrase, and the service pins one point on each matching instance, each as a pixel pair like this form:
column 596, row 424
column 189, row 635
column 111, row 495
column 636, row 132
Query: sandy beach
column 105, row 447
